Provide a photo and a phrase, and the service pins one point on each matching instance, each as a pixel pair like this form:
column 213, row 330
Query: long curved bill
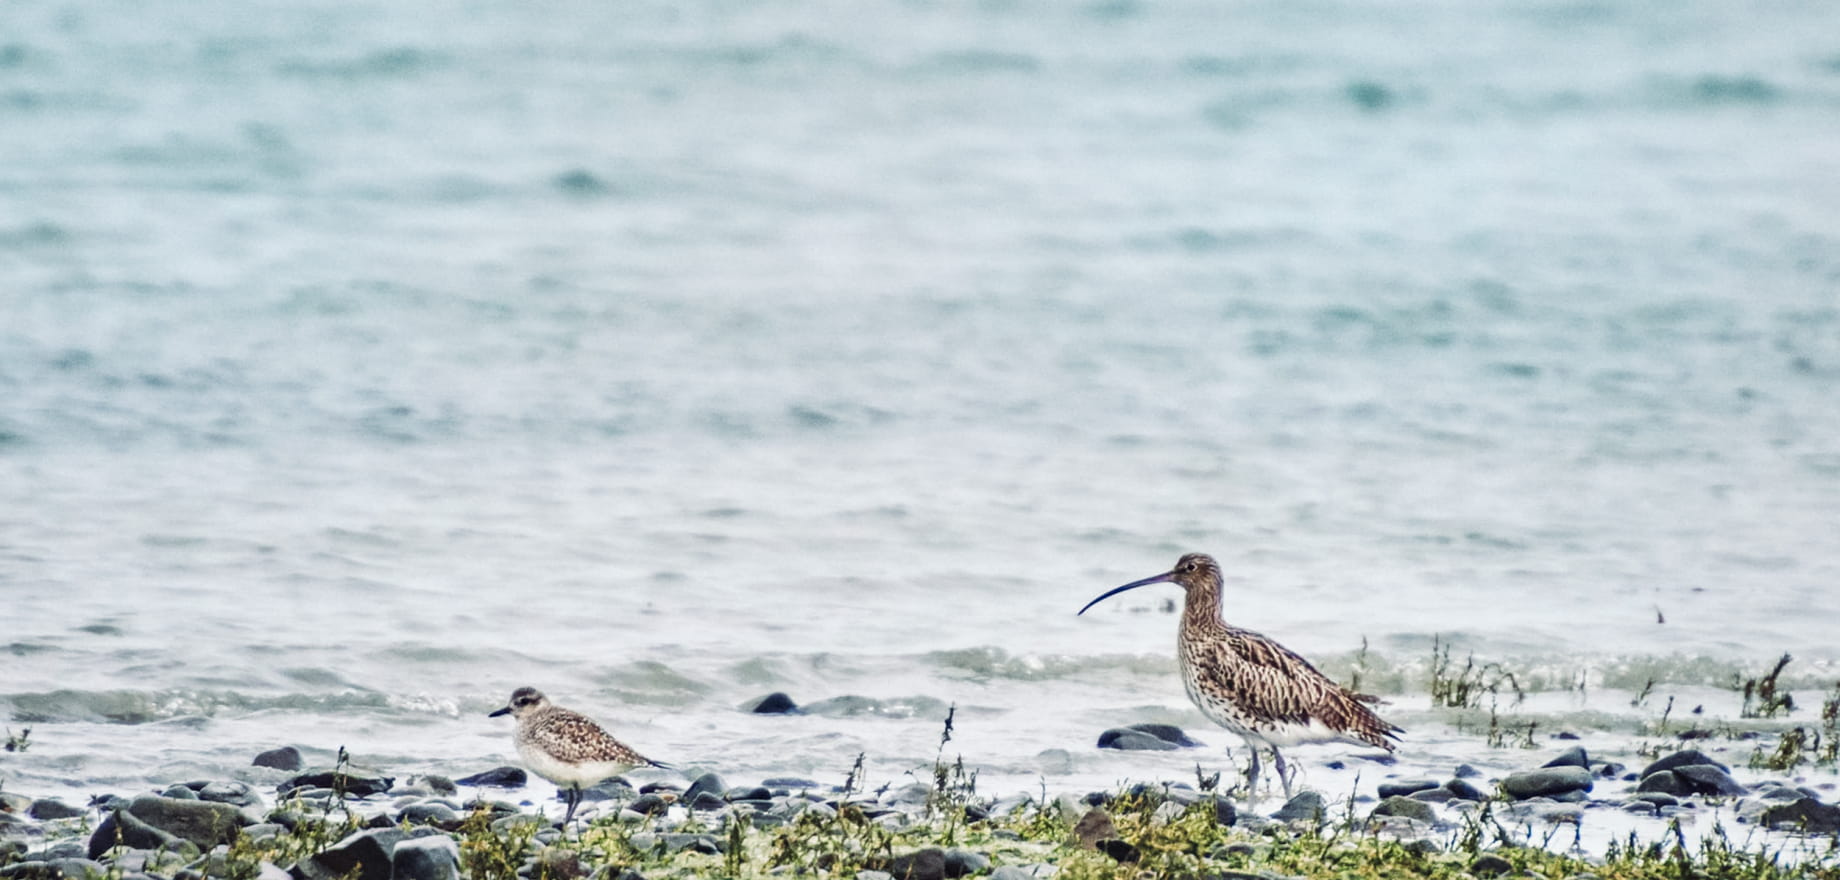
column 1164, row 578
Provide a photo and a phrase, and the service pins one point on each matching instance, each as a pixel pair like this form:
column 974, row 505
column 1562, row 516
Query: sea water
column 360, row 363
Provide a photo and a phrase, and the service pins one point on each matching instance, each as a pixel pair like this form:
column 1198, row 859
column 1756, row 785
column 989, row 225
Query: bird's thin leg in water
column 1284, row 774
column 1252, row 775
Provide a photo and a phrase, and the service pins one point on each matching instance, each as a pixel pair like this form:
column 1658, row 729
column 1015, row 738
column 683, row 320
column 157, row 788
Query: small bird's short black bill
column 505, row 711
column 1164, row 578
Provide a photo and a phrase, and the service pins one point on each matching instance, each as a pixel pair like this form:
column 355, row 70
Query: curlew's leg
column 1252, row 774
column 1284, row 775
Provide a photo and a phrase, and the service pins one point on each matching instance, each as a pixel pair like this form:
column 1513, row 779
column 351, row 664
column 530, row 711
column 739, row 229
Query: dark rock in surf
column 1572, row 757
column 204, row 823
column 1168, row 733
column 1134, row 741
column 707, row 783
column 497, row 777
column 1547, row 782
column 1683, row 758
column 354, row 781
column 122, row 827
column 1707, row 779
column 1405, row 787
column 1807, row 814
column 1459, row 788
column 47, row 809
column 426, row 858
column 1306, row 805
column 1406, row 807
column 1663, row 782
column 284, row 758
column 776, row 703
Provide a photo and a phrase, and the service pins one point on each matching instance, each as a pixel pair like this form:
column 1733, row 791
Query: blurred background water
column 361, row 362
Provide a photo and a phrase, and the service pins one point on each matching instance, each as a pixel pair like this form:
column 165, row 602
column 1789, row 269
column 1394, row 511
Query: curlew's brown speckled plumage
column 567, row 747
column 1254, row 686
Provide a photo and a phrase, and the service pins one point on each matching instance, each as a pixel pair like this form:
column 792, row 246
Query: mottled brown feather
column 575, row 738
column 1271, row 684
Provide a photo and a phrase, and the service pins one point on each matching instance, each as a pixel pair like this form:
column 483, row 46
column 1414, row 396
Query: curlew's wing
column 1270, row 682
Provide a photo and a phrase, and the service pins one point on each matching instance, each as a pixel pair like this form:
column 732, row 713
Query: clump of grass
column 1465, row 688
column 1762, row 698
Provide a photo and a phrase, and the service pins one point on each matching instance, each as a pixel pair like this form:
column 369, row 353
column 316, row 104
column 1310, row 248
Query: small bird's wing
column 575, row 738
column 1272, row 683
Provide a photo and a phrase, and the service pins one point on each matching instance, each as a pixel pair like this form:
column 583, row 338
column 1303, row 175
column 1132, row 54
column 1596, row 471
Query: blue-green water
column 359, row 363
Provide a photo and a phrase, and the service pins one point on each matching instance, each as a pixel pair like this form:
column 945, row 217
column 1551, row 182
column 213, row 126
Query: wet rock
column 1461, row 789
column 284, row 758
column 745, row 793
column 615, row 789
column 790, row 783
column 362, row 856
column 426, row 858
column 1547, row 782
column 1134, row 741
column 179, row 792
column 1663, row 782
column 497, row 777
column 204, row 823
column 440, row 784
column 1707, row 779
column 55, row 869
column 1657, row 798
column 1490, row 865
column 236, row 794
column 1437, row 795
column 1404, row 787
column 1572, row 757
column 1465, row 771
column 1684, row 758
column 1168, row 733
column 1405, row 806
column 648, row 805
column 708, row 782
column 49, row 809
column 1224, row 812
column 433, row 813
column 776, row 703
column 1807, row 814
column 1306, row 805
column 354, row 781
column 125, row 829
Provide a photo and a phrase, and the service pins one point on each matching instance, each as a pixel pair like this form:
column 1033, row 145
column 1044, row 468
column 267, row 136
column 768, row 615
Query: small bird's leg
column 1284, row 774
column 573, row 794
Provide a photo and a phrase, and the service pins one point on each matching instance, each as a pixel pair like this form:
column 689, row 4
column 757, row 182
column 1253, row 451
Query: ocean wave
column 149, row 706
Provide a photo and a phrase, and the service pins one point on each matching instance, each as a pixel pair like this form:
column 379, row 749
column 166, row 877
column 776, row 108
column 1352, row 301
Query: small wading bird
column 1254, row 686
column 566, row 747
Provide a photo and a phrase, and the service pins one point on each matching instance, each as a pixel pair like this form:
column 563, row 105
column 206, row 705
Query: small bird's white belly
column 565, row 774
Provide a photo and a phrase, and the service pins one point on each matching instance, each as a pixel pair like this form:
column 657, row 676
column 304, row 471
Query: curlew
column 566, row 747
column 1254, row 686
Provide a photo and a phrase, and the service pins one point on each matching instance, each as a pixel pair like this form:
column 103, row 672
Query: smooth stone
column 357, row 781
column 1397, row 805
column 123, row 828
column 791, row 783
column 776, row 703
column 699, row 843
column 431, row 813
column 1684, row 758
column 1134, row 741
column 707, row 801
column 426, row 858
column 1464, row 791
column 1781, row 793
column 1404, row 787
column 1465, row 771
column 1663, row 782
column 55, row 869
column 1437, row 795
column 204, row 823
column 1646, row 808
column 648, row 804
column 49, row 809
column 1547, row 781
column 708, row 782
column 1656, row 798
column 1707, row 779
column 497, row 777
column 179, row 793
column 364, row 855
column 284, row 758
column 1225, row 814
column 756, row 793
column 1306, row 805
column 238, row 794
column 1572, row 757
column 1168, row 733
column 615, row 789
column 1807, row 815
